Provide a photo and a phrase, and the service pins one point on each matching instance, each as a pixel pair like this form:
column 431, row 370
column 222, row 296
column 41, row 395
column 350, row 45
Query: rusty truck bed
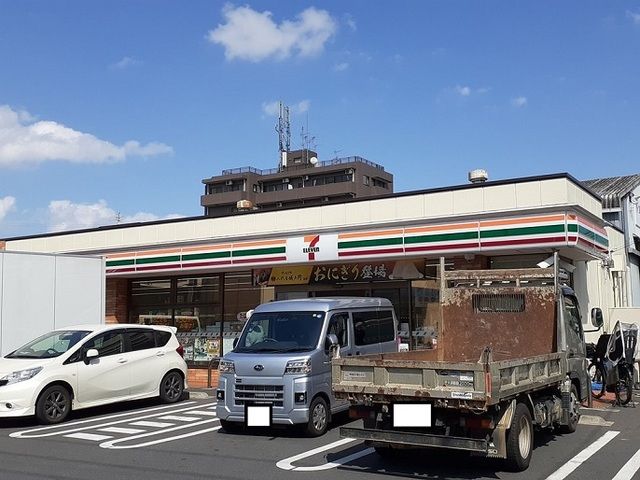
column 411, row 376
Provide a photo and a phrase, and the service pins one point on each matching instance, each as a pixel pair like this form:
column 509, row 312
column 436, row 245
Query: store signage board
column 312, row 248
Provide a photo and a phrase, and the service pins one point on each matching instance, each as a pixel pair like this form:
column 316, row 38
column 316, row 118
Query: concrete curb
column 198, row 395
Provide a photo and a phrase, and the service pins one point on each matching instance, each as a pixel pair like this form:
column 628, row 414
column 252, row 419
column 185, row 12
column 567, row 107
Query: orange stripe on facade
column 157, row 252
column 518, row 221
column 343, row 236
column 120, row 255
column 259, row 243
column 454, row 226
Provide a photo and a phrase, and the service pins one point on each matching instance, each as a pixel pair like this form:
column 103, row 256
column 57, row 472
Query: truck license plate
column 411, row 414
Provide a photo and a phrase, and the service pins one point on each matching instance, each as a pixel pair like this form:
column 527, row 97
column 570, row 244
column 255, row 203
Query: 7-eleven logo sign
column 312, row 248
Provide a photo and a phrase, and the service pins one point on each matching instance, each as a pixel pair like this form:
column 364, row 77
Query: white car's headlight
column 227, row 366
column 21, row 375
column 298, row 366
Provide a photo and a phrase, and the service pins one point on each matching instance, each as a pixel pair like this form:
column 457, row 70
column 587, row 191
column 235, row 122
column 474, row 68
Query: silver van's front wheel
column 318, row 417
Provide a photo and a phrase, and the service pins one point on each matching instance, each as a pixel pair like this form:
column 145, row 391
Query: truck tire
column 520, row 439
column 318, row 418
column 574, row 415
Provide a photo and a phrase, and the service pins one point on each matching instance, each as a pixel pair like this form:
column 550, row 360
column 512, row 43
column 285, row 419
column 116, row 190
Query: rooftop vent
column 478, row 175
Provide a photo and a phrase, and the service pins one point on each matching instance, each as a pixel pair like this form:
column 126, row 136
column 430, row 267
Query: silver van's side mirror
column 90, row 355
column 596, row 317
column 332, row 346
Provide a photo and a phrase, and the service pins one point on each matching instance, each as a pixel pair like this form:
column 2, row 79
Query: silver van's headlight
column 21, row 375
column 298, row 366
column 227, row 366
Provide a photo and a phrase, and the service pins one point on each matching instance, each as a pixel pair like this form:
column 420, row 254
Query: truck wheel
column 53, row 405
column 318, row 418
column 230, row 427
column 520, row 439
column 574, row 413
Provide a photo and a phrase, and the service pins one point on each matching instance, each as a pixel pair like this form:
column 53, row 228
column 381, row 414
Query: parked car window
column 338, row 326
column 109, row 343
column 141, row 339
column 162, row 338
column 52, row 344
column 373, row 327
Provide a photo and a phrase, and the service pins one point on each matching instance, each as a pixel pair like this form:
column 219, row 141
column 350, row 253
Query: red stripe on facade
column 591, row 245
column 258, row 260
column 431, row 248
column 121, row 270
column 370, row 252
column 159, row 267
column 524, row 241
column 206, row 264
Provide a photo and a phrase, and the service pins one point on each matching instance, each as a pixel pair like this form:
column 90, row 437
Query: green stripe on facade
column 572, row 227
column 120, row 263
column 514, row 232
column 593, row 235
column 259, row 251
column 371, row 243
column 203, row 256
column 172, row 258
column 442, row 237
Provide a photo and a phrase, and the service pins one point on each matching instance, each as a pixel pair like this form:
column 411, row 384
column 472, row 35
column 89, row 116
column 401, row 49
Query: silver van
column 282, row 358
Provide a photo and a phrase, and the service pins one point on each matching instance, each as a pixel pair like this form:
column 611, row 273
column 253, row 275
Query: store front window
column 191, row 304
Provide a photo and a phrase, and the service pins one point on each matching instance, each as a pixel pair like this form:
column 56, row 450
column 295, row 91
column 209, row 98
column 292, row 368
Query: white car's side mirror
column 90, row 355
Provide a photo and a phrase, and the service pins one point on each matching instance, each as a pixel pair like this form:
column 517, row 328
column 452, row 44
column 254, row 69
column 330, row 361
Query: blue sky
column 111, row 107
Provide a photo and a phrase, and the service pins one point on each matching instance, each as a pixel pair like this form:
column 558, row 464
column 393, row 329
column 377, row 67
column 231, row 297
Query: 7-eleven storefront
column 182, row 273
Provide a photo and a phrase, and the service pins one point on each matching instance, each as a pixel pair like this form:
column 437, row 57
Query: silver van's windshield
column 278, row 332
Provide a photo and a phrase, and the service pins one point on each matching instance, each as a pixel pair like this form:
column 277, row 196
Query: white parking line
column 33, row 433
column 152, row 424
column 179, row 418
column 89, row 436
column 155, row 442
column 286, row 464
column 565, row 470
column 113, row 443
column 630, row 468
column 128, row 431
column 203, row 412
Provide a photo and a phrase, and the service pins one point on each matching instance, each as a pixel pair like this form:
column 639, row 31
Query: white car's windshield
column 278, row 332
column 50, row 345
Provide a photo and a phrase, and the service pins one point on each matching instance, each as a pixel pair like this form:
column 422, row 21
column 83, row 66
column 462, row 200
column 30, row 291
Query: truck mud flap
column 476, row 445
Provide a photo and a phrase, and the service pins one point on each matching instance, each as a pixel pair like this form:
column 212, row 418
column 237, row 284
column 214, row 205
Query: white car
column 89, row 365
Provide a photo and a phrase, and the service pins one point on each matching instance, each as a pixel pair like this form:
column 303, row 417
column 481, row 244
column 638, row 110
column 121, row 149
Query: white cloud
column 66, row 215
column 254, row 36
column 125, row 62
column 350, row 22
column 635, row 17
column 462, row 91
column 340, row 67
column 272, row 109
column 519, row 102
column 6, row 205
column 26, row 141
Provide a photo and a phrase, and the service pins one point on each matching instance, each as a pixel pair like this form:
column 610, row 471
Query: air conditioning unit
column 229, row 182
column 285, row 180
column 305, row 178
column 243, row 205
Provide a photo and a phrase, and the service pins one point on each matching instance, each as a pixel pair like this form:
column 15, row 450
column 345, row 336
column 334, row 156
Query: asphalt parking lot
column 147, row 440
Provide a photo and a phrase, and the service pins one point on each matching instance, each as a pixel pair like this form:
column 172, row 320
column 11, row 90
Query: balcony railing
column 305, row 166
